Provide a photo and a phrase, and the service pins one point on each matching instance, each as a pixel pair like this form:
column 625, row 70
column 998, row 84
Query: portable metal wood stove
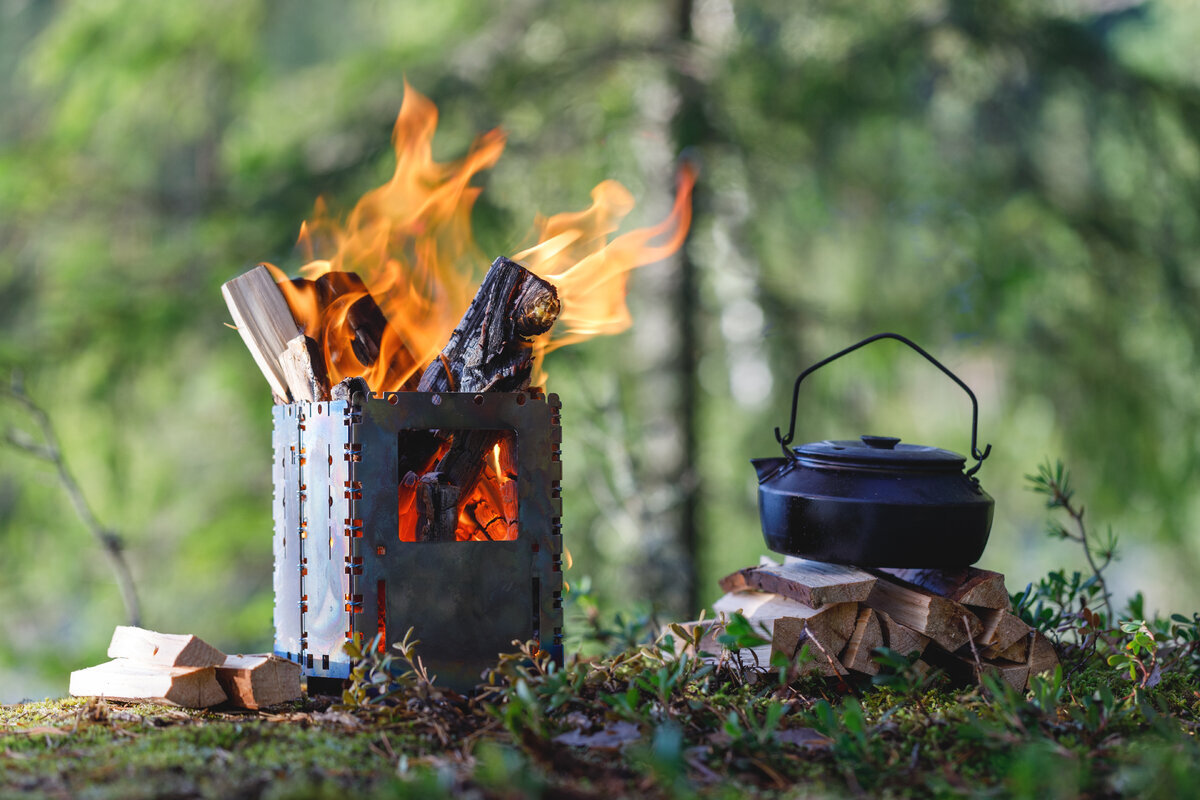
column 341, row 568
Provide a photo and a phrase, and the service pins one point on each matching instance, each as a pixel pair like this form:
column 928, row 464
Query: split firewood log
column 123, row 679
column 1018, row 651
column 946, row 622
column 265, row 323
column 825, row 631
column 964, row 668
column 813, row 583
column 868, row 635
column 1001, row 630
column 258, row 681
column 1042, row 655
column 899, row 638
column 303, row 366
column 164, row 649
column 968, row 585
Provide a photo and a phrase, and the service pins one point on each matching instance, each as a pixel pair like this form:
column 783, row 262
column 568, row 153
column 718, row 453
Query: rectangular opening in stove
column 468, row 492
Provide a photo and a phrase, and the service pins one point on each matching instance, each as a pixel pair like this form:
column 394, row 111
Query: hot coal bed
column 343, row 569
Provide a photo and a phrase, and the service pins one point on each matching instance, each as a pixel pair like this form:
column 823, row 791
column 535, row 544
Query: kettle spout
column 766, row 467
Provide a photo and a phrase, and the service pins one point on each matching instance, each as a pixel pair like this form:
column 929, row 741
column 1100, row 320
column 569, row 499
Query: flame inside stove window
column 465, row 492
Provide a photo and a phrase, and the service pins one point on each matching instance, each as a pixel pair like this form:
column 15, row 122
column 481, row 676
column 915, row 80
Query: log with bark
column 491, row 350
column 968, row 585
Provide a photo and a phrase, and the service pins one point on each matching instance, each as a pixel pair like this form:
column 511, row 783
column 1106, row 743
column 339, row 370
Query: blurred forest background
column 1015, row 184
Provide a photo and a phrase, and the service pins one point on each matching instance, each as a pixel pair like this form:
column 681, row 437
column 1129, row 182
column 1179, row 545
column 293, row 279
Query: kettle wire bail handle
column 784, row 441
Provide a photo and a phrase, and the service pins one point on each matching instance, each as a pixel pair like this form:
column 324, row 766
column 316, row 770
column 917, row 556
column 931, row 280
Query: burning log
column 272, row 320
column 491, row 350
column 365, row 332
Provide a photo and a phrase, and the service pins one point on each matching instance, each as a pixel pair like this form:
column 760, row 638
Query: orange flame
column 410, row 241
column 590, row 272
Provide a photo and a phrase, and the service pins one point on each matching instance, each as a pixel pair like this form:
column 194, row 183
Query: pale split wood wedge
column 1042, row 656
column 264, row 322
column 123, row 679
column 165, row 649
column 1001, row 629
column 899, row 638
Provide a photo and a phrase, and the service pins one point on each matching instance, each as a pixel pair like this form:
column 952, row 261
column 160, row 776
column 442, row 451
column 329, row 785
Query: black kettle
column 875, row 502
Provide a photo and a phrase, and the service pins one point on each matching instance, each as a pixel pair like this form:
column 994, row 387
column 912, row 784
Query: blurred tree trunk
column 690, row 132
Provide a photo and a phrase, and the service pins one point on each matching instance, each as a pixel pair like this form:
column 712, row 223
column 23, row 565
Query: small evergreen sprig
column 1054, row 482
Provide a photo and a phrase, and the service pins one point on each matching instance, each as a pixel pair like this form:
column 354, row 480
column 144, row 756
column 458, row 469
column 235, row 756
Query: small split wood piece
column 825, row 631
column 969, row 585
column 810, row 582
column 1042, row 656
column 868, row 635
column 1018, row 651
column 899, row 638
column 165, row 649
column 963, row 668
column 1001, row 630
column 946, row 622
column 124, row 679
column 258, row 681
column 264, row 322
column 303, row 365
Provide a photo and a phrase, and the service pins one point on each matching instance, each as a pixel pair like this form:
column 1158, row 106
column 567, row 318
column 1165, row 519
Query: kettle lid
column 879, row 452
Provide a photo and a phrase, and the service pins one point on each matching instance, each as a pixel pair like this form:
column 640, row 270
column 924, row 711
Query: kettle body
column 875, row 502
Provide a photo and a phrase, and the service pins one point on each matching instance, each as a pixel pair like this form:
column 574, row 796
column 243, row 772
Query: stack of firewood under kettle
column 878, row 539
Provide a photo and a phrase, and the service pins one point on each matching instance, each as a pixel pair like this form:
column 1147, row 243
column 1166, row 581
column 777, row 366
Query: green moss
column 711, row 735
